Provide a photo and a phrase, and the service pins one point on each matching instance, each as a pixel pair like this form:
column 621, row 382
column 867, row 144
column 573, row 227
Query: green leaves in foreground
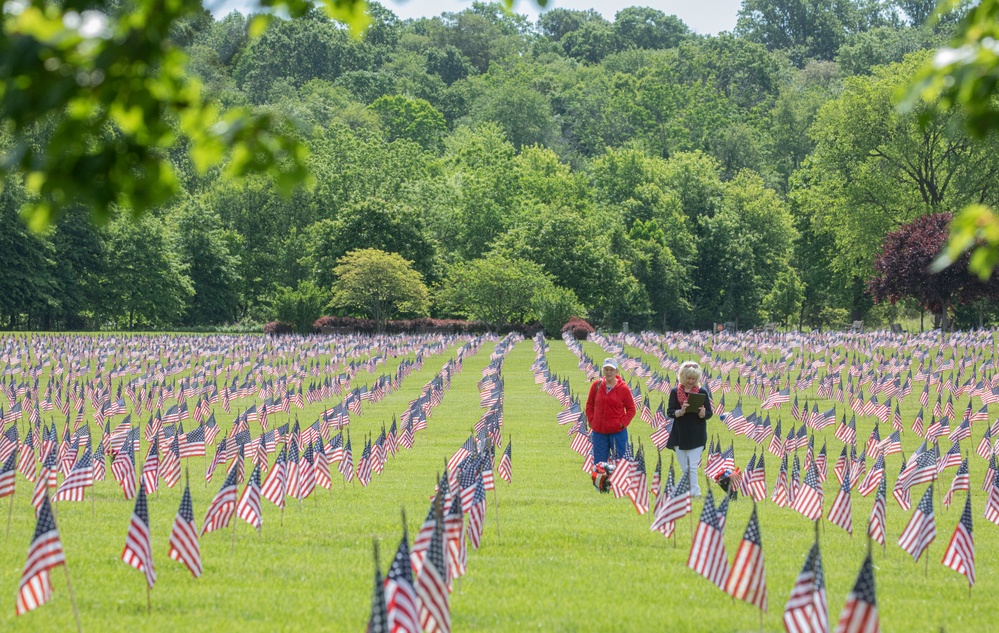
column 94, row 99
column 965, row 76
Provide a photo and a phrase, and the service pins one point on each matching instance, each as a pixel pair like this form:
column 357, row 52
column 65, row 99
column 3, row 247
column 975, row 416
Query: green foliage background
column 666, row 178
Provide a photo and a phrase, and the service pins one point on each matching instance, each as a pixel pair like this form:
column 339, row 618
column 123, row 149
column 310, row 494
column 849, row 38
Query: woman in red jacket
column 609, row 409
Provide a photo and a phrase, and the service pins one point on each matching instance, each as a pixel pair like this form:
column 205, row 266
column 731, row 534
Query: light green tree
column 494, row 289
column 784, row 299
column 379, row 284
column 554, row 306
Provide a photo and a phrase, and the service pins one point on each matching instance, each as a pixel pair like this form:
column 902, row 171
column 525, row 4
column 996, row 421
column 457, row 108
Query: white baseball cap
column 609, row 362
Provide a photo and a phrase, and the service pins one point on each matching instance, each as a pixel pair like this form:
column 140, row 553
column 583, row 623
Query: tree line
column 622, row 170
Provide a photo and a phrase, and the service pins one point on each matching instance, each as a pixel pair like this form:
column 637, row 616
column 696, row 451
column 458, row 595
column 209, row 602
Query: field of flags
column 370, row 483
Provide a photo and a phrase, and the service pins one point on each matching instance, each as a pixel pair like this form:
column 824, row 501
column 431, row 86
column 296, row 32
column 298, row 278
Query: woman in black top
column 690, row 427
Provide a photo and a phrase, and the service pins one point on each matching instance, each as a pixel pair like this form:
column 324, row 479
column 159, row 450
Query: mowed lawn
column 555, row 555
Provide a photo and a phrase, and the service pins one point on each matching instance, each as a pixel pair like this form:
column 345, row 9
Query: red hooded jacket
column 609, row 412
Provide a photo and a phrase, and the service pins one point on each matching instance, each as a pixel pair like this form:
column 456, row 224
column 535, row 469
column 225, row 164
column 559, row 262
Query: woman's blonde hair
column 688, row 368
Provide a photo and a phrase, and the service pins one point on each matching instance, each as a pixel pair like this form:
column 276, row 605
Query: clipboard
column 695, row 401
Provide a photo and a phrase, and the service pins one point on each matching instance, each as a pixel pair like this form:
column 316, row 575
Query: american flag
column 992, row 504
column 138, row 550
column 431, row 585
column 193, row 443
column 223, row 505
column 477, row 514
column 876, row 524
column 505, row 467
column 400, row 594
column 306, row 473
column 7, row 476
column 322, row 466
column 860, row 614
column 80, row 478
column 454, row 536
column 639, row 486
column 422, row 542
column 220, row 458
column 841, row 512
column 780, row 495
column 874, row 477
column 922, row 529
column 151, row 467
column 170, row 464
column 41, row 486
column 184, row 545
column 707, row 552
column 44, row 554
column 274, row 486
column 808, row 497
column 123, row 468
column 748, row 578
column 960, row 554
column 962, row 481
column 248, row 507
column 378, row 622
column 347, row 462
column 806, row 610
column 26, row 460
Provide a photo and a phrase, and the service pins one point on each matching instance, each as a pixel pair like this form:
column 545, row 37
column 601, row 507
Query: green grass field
column 555, row 555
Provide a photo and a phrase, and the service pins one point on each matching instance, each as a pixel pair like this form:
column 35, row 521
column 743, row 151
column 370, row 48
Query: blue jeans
column 602, row 444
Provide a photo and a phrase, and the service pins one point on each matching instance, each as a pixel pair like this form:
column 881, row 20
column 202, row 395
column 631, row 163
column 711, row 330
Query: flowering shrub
column 275, row 328
column 579, row 328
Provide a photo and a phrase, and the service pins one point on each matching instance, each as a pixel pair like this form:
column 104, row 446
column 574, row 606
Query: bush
column 354, row 323
column 579, row 328
column 555, row 306
column 423, row 324
column 300, row 306
column 274, row 328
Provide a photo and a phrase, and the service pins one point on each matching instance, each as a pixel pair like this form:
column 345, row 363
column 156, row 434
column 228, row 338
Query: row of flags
column 746, row 578
column 228, row 503
column 414, row 595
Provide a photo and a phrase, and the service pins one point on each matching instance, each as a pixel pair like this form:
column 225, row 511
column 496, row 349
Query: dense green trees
column 623, row 168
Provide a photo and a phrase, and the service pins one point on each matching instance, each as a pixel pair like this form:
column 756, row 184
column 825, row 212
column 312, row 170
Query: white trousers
column 690, row 461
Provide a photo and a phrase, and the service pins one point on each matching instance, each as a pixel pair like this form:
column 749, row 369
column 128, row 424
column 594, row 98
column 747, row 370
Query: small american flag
column 431, row 585
column 80, row 478
column 138, row 550
column 7, row 476
column 960, row 554
column 378, row 622
column 170, row 464
column 806, row 610
column 962, row 481
column 876, row 525
column 922, row 529
column 505, row 467
column 748, row 579
column 400, row 594
column 874, row 477
column 860, row 614
column 248, row 507
column 808, row 497
column 992, row 504
column 123, row 469
column 151, row 467
column 223, row 505
column 274, row 487
column 841, row 512
column 184, row 545
column 44, row 554
column 477, row 514
column 707, row 552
